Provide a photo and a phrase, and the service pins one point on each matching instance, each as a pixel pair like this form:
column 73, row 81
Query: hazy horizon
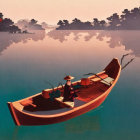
column 52, row 11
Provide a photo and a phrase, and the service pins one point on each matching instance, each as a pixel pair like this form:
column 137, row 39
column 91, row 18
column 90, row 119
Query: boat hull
column 22, row 118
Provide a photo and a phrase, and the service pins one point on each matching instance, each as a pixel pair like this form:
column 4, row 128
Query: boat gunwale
column 74, row 109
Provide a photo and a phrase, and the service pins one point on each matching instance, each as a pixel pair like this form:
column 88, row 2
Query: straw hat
column 68, row 77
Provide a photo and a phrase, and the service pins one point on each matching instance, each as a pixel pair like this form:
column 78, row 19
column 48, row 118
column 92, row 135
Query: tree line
column 128, row 20
column 32, row 24
column 7, row 25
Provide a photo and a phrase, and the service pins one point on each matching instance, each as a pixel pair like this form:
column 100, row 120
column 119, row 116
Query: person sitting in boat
column 68, row 89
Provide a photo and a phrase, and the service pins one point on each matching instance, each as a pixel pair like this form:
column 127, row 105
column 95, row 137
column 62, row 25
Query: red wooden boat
column 41, row 110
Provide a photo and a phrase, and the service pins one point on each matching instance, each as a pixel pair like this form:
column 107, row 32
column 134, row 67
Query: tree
column 60, row 23
column 33, row 21
column 102, row 24
column 7, row 22
column 65, row 22
column 1, row 15
column 125, row 19
column 114, row 21
column 88, row 25
column 130, row 19
column 14, row 29
column 126, row 13
column 75, row 21
column 135, row 11
column 96, row 23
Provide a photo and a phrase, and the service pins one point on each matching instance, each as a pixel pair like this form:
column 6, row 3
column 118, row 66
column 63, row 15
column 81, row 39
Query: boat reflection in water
column 15, row 133
column 88, row 122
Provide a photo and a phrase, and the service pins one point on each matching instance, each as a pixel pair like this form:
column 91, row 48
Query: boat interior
column 87, row 89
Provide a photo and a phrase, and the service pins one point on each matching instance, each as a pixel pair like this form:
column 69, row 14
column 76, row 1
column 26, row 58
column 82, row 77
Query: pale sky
column 51, row 11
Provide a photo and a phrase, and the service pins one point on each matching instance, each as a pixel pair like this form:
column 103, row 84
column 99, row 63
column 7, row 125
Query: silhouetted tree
column 33, row 21
column 7, row 22
column 130, row 19
column 125, row 19
column 96, row 23
column 60, row 23
column 78, row 25
column 88, row 25
column 65, row 22
column 14, row 29
column 1, row 15
column 114, row 21
column 126, row 13
column 75, row 21
column 103, row 24
column 6, row 25
column 135, row 12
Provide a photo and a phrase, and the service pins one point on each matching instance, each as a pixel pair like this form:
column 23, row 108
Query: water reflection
column 84, row 123
column 60, row 35
column 6, row 39
column 87, row 122
column 15, row 133
column 129, row 39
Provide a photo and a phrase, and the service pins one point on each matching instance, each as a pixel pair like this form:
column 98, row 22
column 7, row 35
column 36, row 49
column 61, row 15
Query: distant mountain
column 47, row 26
column 25, row 24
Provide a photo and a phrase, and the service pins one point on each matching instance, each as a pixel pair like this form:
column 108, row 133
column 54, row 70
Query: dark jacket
column 68, row 93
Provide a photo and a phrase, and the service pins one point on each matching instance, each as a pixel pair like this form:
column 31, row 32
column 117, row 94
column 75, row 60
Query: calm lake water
column 27, row 61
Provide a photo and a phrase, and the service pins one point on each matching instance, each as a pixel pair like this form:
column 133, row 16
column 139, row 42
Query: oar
column 123, row 57
column 98, row 77
column 60, row 84
column 128, row 63
column 49, row 84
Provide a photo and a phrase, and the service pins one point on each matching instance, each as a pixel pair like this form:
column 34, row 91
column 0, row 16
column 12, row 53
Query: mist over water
column 27, row 60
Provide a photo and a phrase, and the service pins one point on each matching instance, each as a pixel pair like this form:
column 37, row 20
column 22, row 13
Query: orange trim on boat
column 13, row 113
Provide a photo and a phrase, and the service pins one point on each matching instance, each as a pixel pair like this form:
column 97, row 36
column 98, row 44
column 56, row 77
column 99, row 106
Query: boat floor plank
column 92, row 92
column 56, row 111
column 50, row 112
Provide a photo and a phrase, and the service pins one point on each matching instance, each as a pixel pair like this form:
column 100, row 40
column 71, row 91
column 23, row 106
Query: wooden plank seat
column 96, row 79
column 107, row 81
column 27, row 103
column 68, row 103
